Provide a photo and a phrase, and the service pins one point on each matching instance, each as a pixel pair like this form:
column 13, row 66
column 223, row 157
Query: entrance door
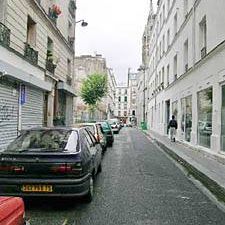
column 167, row 115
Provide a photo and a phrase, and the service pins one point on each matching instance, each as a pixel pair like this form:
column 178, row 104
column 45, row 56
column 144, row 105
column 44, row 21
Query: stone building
column 86, row 65
column 185, row 73
column 36, row 64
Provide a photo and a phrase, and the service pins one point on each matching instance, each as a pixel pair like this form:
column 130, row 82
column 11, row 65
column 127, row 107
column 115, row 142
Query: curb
column 217, row 190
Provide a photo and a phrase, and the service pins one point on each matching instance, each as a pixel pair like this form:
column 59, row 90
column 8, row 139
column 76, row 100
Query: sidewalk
column 208, row 169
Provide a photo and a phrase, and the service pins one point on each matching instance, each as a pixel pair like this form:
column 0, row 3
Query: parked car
column 51, row 162
column 115, row 125
column 11, row 211
column 107, row 130
column 98, row 132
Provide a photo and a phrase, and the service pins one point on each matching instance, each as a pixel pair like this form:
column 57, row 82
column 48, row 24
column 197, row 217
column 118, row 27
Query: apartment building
column 111, row 95
column 132, row 104
column 86, row 65
column 122, row 103
column 185, row 72
column 36, row 65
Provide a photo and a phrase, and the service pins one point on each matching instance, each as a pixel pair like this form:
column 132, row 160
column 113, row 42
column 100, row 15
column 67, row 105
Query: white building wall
column 201, row 74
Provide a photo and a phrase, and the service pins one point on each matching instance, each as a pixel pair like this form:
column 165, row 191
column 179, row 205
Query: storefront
column 205, row 105
column 9, row 95
column 186, row 118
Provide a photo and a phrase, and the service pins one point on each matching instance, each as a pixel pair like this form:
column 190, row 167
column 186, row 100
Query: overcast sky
column 115, row 29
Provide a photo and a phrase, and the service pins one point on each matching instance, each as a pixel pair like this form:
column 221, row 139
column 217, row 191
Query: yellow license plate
column 36, row 188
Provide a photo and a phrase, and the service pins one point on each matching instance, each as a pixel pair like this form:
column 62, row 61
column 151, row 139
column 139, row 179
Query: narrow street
column 139, row 185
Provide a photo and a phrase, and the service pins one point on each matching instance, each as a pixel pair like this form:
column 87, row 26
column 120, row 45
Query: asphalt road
column 139, row 185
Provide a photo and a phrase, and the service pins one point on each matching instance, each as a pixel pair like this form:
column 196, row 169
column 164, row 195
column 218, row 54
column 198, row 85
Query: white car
column 115, row 125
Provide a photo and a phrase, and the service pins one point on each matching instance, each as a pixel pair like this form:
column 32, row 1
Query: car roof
column 52, row 128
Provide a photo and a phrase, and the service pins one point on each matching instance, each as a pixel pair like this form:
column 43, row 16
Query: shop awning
column 67, row 88
column 9, row 70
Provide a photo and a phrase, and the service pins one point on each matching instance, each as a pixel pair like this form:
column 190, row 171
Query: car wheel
column 100, row 168
column 90, row 194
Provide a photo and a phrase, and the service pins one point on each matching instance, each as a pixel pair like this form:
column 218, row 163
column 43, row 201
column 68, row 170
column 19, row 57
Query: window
column 133, row 113
column 163, row 13
column 205, row 105
column 69, row 67
column 31, row 32
column 163, row 44
column 168, row 75
column 125, row 91
column 119, row 98
column 186, row 56
column 119, row 113
column 71, row 38
column 125, row 113
column 168, row 6
column 175, row 67
column 125, row 98
column 185, row 8
column 162, row 82
column 175, row 24
column 168, row 38
column 203, row 37
column 223, row 120
column 50, row 49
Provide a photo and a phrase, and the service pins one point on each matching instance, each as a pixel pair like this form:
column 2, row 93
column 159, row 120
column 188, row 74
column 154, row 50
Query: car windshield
column 113, row 122
column 45, row 141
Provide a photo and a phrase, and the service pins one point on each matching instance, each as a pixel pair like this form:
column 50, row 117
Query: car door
column 98, row 147
column 92, row 148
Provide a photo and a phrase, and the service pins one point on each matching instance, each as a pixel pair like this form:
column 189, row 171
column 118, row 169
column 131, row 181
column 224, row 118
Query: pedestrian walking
column 172, row 126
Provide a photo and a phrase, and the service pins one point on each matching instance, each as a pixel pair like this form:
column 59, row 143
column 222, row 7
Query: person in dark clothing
column 172, row 126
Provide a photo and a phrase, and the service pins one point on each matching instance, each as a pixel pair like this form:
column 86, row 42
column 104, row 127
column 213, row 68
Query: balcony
column 50, row 66
column 30, row 54
column 4, row 35
column 203, row 52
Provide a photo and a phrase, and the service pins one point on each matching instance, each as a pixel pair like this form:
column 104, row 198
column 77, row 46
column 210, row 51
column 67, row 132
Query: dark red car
column 11, row 211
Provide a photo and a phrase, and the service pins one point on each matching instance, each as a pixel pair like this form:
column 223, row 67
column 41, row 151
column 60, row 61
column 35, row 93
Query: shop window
column 175, row 109
column 186, row 118
column 205, row 105
column 223, row 120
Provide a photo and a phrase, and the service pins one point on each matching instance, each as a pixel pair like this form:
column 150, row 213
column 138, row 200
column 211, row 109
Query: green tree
column 93, row 89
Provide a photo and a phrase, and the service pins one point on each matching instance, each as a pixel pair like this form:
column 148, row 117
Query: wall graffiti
column 7, row 113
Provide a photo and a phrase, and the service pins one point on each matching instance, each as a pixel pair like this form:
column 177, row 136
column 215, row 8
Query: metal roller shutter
column 32, row 109
column 8, row 114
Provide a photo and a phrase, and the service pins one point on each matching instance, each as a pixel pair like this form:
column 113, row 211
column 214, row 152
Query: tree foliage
column 94, row 88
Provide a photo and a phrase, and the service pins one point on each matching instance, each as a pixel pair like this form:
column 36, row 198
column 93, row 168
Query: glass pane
column 223, row 119
column 188, row 119
column 205, row 117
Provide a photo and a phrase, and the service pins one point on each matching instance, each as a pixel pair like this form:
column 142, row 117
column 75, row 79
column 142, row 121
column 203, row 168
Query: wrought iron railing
column 4, row 35
column 30, row 54
column 50, row 66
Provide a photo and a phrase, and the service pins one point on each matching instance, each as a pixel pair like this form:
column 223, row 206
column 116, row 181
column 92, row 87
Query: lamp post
column 83, row 23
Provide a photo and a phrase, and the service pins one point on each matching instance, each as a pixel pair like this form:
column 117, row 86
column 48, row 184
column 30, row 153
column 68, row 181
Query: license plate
column 36, row 188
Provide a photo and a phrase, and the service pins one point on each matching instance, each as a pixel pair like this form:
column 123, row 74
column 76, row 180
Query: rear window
column 104, row 125
column 45, row 141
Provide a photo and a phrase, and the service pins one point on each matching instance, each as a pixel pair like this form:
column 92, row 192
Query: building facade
column 36, row 65
column 86, row 65
column 186, row 72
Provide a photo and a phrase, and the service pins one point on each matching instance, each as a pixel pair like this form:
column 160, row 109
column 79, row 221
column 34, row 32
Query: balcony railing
column 50, row 66
column 30, row 54
column 4, row 35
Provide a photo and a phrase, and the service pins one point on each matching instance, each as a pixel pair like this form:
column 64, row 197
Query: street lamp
column 83, row 23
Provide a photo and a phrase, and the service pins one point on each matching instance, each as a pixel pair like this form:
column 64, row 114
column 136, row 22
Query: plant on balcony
column 54, row 11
